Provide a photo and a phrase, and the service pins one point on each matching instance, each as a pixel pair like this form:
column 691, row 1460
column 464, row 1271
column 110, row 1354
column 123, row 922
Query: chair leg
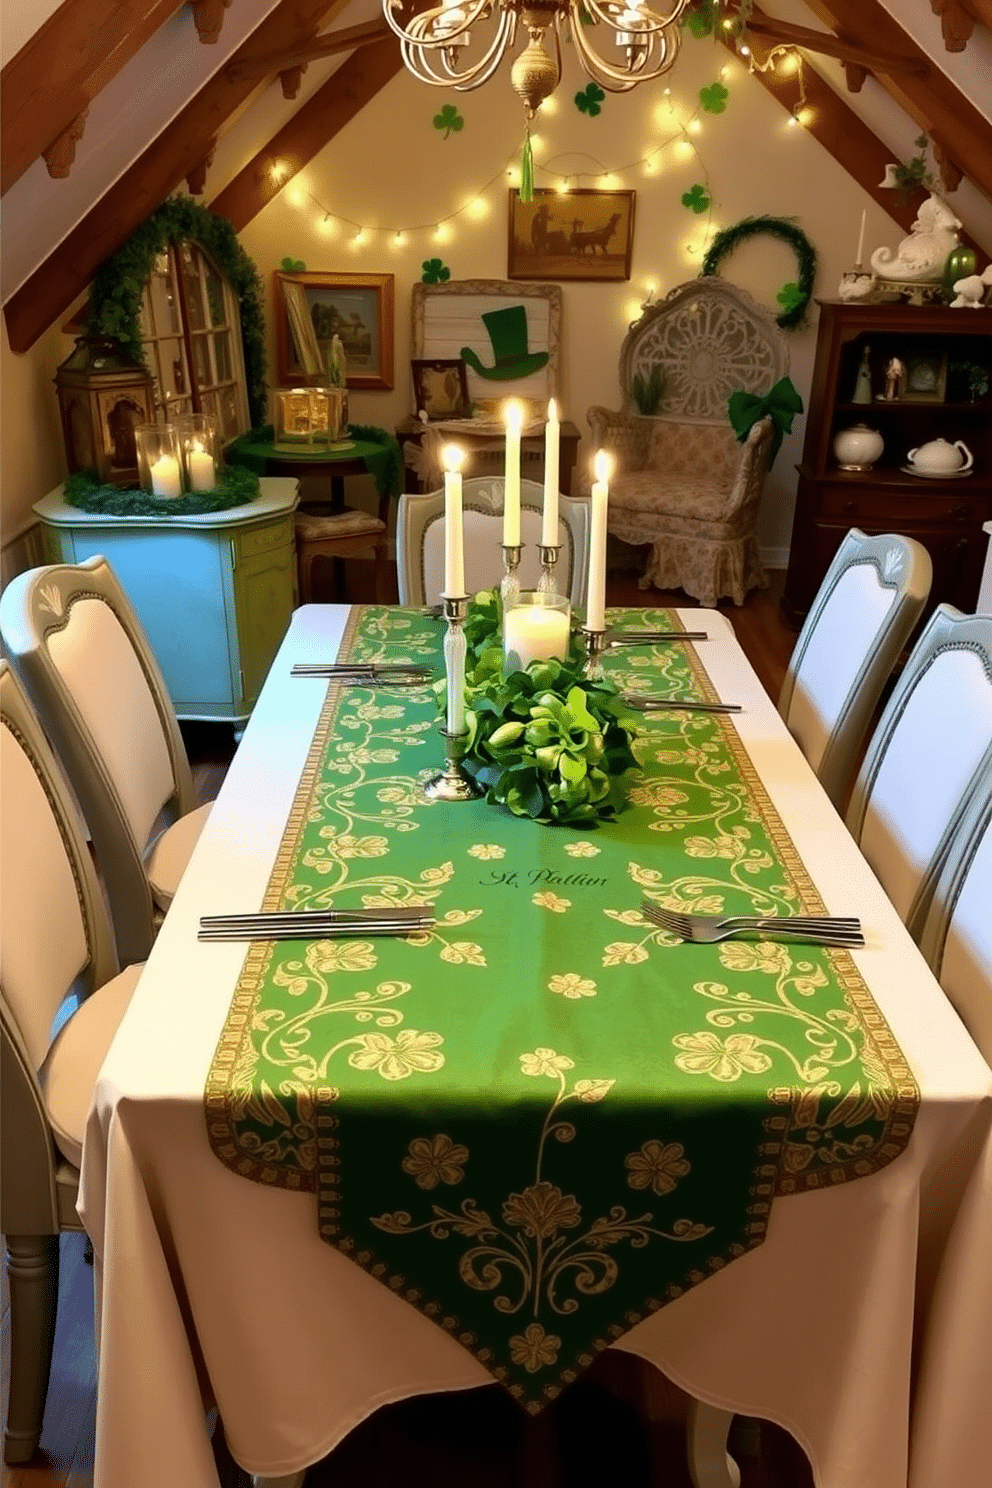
column 710, row 1464
column 381, row 566
column 33, row 1269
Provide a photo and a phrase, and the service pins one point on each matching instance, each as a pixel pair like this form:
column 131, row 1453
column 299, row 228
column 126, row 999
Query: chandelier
column 434, row 42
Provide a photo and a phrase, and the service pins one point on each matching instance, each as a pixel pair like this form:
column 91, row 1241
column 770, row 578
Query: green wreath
column 794, row 298
column 115, row 299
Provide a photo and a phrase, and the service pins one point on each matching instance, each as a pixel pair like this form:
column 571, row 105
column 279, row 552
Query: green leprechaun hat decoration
column 508, row 333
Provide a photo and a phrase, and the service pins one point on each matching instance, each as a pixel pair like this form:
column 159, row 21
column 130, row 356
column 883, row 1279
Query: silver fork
column 704, row 929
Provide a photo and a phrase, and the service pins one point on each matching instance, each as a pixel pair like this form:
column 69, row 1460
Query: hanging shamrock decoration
column 449, row 119
column 435, row 272
column 589, row 100
column 702, row 19
column 790, row 297
column 714, row 98
column 293, row 265
column 695, row 199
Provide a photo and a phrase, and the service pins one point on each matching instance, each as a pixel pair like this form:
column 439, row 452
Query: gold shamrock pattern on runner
column 530, row 1257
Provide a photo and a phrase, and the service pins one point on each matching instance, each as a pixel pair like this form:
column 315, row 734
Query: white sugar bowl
column 940, row 458
column 858, row 448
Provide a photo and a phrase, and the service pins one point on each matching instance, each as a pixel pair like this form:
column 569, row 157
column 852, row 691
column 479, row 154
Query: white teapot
column 940, row 458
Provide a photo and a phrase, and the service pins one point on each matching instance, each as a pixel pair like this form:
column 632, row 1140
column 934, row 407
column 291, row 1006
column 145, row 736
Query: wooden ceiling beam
column 829, row 45
column 175, row 151
column 845, row 136
column 321, row 46
column 327, row 111
column 958, row 19
column 935, row 103
column 61, row 69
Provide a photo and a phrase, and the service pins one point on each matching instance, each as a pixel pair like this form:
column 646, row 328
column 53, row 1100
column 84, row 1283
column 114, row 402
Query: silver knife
column 647, row 704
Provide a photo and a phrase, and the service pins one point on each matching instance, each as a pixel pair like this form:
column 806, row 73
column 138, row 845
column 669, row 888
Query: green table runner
column 544, row 1119
column 376, row 448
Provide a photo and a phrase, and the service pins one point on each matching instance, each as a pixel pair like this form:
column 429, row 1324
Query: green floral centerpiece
column 548, row 743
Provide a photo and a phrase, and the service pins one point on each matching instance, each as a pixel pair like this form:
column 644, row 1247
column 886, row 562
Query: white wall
column 391, row 169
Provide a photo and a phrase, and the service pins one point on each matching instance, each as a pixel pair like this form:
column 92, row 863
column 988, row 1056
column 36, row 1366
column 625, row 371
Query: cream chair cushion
column 170, row 852
column 68, row 1075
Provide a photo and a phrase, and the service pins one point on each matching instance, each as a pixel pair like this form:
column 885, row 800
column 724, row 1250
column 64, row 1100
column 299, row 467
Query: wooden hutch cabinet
column 946, row 394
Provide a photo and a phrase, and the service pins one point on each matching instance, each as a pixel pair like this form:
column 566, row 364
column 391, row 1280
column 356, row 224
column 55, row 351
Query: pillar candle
column 532, row 633
column 861, row 238
column 511, row 479
column 549, row 515
column 598, row 496
column 454, row 546
column 165, row 477
column 202, row 476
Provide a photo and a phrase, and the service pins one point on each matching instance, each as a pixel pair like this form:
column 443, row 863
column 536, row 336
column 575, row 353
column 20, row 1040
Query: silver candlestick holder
column 509, row 587
column 595, row 644
column 452, row 783
column 546, row 584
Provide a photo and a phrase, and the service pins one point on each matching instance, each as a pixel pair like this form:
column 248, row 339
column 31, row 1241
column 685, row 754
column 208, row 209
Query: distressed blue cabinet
column 213, row 592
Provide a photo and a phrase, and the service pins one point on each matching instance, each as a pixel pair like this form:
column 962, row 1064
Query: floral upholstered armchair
column 682, row 482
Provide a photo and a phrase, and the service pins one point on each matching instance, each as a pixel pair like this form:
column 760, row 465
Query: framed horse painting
column 581, row 234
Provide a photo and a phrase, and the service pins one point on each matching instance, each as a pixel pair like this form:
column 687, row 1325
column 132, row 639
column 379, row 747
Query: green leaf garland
column 547, row 743
column 115, row 298
column 794, row 312
column 235, row 487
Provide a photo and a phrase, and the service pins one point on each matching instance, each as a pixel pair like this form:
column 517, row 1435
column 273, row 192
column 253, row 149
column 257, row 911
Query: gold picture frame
column 582, row 234
column 311, row 308
column 440, row 388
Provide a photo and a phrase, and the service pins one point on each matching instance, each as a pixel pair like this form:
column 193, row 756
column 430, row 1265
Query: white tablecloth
column 215, row 1288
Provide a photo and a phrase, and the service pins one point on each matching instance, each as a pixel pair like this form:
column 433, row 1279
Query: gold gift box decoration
column 310, row 418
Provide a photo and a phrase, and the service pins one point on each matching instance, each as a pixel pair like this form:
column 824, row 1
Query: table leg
column 710, row 1464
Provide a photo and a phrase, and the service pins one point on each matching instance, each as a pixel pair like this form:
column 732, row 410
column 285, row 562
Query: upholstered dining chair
column 55, row 940
column 871, row 598
column 420, row 540
column 77, row 645
column 925, row 760
column 682, row 483
column 957, row 934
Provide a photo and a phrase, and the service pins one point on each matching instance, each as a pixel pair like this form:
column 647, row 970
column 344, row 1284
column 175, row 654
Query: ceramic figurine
column 921, row 257
column 862, row 387
column 895, row 377
column 968, row 292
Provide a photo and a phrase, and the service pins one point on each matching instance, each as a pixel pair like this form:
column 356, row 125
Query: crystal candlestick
column 547, row 584
column 509, row 587
column 452, row 783
column 595, row 643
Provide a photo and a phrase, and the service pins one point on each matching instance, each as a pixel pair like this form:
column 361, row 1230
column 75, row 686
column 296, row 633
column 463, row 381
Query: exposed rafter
column 844, row 135
column 176, row 151
column 72, row 56
column 936, row 104
column 327, row 45
column 208, row 16
column 785, row 34
column 344, row 94
column 958, row 19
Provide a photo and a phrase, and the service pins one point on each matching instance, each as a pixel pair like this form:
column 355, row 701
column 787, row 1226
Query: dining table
column 321, row 1176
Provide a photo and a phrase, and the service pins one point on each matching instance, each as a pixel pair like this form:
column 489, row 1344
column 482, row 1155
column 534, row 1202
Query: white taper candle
column 549, row 513
column 861, row 238
column 511, row 479
column 598, row 497
column 454, row 545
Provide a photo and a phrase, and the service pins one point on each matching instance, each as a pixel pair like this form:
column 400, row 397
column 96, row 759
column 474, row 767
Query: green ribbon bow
column 781, row 404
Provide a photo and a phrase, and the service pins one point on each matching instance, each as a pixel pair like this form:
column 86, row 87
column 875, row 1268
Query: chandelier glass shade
column 439, row 47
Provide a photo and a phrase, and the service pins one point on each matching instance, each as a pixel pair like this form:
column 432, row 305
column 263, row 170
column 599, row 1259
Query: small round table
column 357, row 457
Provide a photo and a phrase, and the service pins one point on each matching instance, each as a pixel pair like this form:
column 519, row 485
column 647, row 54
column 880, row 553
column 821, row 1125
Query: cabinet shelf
column 947, row 514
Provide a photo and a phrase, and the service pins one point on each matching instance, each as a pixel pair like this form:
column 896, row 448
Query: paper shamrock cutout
column 589, row 100
column 435, row 271
column 789, row 297
column 293, row 265
column 449, row 119
column 714, row 98
column 702, row 19
column 695, row 199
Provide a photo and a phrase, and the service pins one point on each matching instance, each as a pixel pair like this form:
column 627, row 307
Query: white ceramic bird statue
column 969, row 292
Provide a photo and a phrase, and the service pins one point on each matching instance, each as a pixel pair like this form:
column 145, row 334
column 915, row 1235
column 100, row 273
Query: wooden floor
column 621, row 1424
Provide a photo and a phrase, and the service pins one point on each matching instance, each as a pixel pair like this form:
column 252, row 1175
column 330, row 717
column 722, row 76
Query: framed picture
column 311, row 309
column 926, row 378
column 507, row 335
column 583, row 234
column 440, row 388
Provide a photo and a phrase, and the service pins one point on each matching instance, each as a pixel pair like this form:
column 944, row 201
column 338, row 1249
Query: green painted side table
column 214, row 592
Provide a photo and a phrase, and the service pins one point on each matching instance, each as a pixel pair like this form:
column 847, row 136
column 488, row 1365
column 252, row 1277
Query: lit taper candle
column 598, row 497
column 549, row 515
column 511, row 480
column 454, row 545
